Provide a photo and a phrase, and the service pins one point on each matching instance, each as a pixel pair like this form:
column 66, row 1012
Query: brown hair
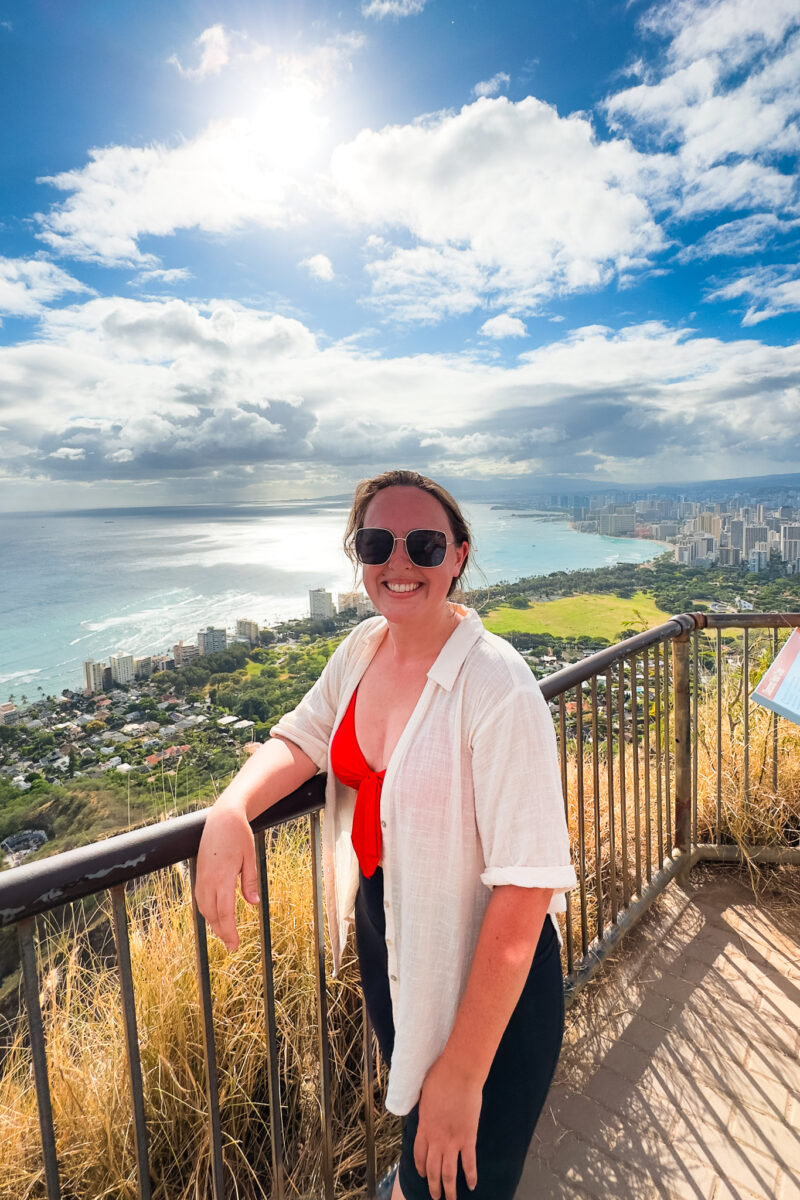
column 368, row 488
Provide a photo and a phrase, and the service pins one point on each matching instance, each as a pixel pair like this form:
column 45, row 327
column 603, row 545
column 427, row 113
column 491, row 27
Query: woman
column 444, row 842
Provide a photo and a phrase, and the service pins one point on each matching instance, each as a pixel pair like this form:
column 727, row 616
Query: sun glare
column 287, row 126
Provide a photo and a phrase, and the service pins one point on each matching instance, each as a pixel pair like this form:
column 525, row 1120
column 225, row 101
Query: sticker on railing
column 779, row 687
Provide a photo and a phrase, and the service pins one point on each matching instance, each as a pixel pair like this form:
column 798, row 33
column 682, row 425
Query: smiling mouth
column 402, row 587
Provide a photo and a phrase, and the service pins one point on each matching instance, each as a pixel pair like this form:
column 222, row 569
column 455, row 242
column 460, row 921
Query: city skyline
column 262, row 255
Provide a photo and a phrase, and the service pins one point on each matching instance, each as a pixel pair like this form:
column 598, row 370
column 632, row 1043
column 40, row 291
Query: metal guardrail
column 629, row 787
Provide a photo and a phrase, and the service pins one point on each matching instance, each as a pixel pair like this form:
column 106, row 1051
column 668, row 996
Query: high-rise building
column 210, row 640
column 737, row 533
column 708, row 522
column 320, row 604
column 93, row 675
column 143, row 667
column 122, row 668
column 790, row 542
column 184, row 654
column 757, row 560
column 753, row 534
column 248, row 629
column 729, row 556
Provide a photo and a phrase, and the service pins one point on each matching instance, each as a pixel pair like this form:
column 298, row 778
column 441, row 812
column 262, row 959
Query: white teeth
column 403, row 587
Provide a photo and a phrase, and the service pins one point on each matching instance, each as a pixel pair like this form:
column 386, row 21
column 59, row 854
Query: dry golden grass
column 87, row 1066
column 759, row 814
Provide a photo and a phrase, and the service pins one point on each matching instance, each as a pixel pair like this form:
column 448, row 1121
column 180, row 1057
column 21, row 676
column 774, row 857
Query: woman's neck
column 413, row 644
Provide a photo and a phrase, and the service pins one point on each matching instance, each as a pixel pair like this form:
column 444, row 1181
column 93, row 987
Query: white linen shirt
column 471, row 799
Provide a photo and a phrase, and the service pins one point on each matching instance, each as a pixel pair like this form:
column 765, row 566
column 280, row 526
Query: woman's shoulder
column 360, row 636
column 492, row 671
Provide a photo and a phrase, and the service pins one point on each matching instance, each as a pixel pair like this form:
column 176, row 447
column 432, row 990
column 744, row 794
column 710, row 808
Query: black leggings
column 520, row 1075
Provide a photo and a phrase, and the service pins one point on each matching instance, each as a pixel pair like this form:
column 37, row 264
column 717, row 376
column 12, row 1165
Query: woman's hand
column 226, row 854
column 227, row 851
column 449, row 1108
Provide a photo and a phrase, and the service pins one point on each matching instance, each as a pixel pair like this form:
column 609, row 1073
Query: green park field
column 594, row 614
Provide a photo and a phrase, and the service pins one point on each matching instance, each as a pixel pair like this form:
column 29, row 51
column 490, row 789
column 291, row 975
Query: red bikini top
column 352, row 769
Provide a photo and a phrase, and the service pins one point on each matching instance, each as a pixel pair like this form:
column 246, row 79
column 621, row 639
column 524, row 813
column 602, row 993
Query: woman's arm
column 450, row 1102
column 227, row 851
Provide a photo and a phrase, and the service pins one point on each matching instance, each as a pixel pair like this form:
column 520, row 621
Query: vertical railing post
column 682, row 742
column 326, row 1101
column 30, row 983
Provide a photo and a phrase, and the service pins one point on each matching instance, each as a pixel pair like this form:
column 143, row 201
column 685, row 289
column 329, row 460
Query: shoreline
column 22, row 682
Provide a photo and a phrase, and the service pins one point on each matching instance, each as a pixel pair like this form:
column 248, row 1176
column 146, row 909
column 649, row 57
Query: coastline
column 164, row 582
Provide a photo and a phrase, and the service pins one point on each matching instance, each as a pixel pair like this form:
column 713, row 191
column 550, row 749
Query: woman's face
column 400, row 590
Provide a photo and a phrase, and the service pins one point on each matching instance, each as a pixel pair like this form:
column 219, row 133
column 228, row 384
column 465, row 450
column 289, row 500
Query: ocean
column 79, row 585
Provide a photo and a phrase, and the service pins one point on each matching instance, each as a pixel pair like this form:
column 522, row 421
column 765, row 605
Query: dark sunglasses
column 425, row 547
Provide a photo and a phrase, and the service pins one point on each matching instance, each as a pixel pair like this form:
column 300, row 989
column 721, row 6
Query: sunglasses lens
column 373, row 546
column 426, row 547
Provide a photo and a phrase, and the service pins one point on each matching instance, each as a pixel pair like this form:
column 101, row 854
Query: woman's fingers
column 440, row 1167
column 470, row 1165
column 250, row 875
column 421, row 1152
column 441, row 1171
column 225, row 924
column 449, row 1171
column 226, row 854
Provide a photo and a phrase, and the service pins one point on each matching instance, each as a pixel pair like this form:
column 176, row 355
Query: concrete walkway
column 680, row 1075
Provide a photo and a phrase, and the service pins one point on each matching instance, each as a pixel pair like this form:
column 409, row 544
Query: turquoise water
column 76, row 585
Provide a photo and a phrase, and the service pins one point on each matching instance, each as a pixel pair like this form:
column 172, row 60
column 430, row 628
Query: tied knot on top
column 353, row 770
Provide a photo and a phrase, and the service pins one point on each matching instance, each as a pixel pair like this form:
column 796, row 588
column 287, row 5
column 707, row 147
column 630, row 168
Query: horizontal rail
column 746, row 620
column 740, row 854
column 596, row 664
column 41, row 886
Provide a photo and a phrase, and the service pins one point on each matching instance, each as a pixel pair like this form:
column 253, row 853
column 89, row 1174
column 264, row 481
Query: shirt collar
column 452, row 654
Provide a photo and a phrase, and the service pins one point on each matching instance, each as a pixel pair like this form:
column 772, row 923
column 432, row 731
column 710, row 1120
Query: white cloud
column 392, row 8
column 159, row 275
column 428, row 283
column 771, row 290
column 228, row 176
column 319, row 266
column 722, row 103
column 321, row 66
column 744, row 236
column 503, row 326
column 736, row 28
column 490, row 87
column 255, row 169
column 509, row 203
column 28, row 284
column 118, row 389
column 214, row 46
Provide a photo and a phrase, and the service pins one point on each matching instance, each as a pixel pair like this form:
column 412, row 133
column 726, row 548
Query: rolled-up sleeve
column 519, row 805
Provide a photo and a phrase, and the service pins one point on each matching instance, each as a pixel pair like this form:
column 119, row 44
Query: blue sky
column 258, row 250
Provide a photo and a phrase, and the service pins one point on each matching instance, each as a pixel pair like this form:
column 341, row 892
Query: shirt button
column 393, row 978
column 383, row 823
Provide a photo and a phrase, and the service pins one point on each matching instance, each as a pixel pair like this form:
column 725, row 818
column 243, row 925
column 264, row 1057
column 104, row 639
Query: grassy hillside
column 593, row 614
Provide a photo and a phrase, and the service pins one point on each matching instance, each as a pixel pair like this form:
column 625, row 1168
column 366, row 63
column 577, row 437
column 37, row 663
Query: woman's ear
column 463, row 551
